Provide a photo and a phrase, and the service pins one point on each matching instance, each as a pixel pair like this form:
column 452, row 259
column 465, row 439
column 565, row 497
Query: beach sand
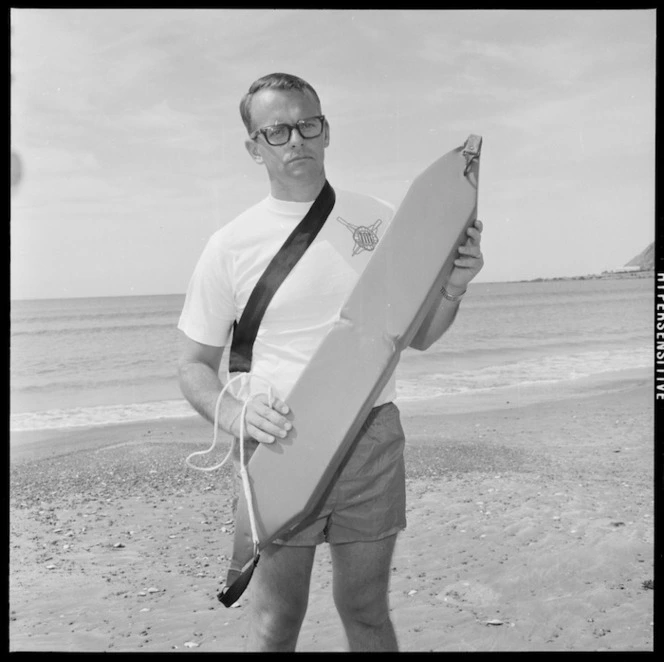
column 530, row 528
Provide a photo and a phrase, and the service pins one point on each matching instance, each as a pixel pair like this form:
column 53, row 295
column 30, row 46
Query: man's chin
column 304, row 170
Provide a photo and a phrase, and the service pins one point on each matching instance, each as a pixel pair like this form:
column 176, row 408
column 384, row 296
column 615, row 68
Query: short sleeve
column 209, row 311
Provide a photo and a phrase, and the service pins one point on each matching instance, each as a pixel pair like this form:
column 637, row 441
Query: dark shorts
column 367, row 500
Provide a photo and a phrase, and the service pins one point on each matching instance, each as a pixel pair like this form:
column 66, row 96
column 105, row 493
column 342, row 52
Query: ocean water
column 88, row 362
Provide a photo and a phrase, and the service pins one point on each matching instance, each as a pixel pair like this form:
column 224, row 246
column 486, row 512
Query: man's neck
column 301, row 192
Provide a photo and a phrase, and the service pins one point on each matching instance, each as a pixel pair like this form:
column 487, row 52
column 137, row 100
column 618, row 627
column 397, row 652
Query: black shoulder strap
column 245, row 331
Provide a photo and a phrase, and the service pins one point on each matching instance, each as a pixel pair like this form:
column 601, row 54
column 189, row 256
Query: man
column 363, row 513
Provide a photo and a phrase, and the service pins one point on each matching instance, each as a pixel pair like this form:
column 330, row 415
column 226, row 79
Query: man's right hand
column 198, row 371
column 263, row 423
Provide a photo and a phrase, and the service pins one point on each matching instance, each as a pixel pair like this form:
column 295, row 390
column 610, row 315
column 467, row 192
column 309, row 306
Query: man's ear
column 254, row 150
column 327, row 133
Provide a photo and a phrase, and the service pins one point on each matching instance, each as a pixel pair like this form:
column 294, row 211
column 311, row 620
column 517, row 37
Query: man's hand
column 198, row 371
column 469, row 262
column 262, row 422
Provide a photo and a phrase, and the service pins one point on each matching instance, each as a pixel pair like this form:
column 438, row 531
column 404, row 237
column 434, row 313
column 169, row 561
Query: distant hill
column 644, row 260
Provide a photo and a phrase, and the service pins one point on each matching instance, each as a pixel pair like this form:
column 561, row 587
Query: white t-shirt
column 307, row 303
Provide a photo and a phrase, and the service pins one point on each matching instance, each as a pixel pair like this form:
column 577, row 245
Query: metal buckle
column 471, row 150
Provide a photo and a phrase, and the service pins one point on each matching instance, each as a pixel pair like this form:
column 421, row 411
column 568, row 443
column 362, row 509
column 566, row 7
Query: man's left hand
column 469, row 262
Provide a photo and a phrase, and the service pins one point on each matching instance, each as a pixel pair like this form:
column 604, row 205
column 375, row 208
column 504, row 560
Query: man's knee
column 367, row 607
column 278, row 625
column 361, row 580
column 279, row 594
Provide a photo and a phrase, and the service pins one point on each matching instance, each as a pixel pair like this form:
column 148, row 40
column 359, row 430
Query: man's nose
column 296, row 137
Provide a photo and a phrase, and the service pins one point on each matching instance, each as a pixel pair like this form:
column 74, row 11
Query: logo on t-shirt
column 365, row 238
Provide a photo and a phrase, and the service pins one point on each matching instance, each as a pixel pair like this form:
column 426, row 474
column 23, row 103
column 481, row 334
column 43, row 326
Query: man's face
column 300, row 161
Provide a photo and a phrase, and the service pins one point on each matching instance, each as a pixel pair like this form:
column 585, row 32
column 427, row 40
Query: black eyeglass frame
column 264, row 130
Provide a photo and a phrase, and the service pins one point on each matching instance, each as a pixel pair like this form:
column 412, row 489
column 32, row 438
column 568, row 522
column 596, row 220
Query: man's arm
column 198, row 374
column 435, row 324
column 467, row 265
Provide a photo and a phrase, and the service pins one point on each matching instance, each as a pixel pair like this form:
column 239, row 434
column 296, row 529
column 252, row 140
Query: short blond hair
column 275, row 81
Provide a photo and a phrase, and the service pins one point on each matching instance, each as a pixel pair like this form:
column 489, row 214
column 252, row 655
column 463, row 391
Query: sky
column 126, row 122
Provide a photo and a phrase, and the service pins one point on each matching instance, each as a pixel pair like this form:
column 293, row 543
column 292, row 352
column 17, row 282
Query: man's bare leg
column 279, row 594
column 361, row 578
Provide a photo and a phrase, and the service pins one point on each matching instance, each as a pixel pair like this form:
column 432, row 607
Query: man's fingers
column 261, row 429
column 273, row 416
column 470, row 251
column 280, row 406
column 475, row 236
column 259, row 435
column 264, row 423
column 469, row 261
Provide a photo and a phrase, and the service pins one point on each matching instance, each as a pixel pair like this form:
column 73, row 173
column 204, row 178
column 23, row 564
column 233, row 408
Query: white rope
column 216, row 431
column 244, row 377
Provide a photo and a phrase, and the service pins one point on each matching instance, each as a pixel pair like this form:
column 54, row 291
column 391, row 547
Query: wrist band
column 450, row 297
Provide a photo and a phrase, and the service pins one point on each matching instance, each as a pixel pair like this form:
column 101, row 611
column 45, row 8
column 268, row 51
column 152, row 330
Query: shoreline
column 637, row 273
column 509, row 397
column 605, row 275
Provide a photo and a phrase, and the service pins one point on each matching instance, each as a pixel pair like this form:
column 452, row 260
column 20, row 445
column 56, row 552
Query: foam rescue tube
column 336, row 391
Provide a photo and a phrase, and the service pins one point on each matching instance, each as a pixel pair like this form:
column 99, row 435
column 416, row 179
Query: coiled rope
column 244, row 378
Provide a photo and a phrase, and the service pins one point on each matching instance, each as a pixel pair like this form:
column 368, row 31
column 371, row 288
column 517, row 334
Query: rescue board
column 336, row 391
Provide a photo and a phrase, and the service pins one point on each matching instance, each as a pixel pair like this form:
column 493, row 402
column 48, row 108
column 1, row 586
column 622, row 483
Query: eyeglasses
column 280, row 134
